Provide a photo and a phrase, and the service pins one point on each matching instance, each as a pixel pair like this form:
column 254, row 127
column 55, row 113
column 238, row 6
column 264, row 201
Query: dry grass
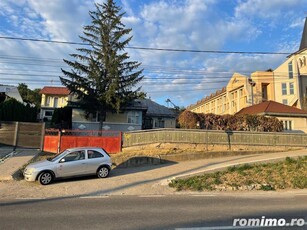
column 287, row 174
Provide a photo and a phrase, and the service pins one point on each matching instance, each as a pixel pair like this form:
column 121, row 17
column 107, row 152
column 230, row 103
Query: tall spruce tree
column 102, row 77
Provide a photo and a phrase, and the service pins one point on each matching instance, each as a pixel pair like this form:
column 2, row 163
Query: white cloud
column 297, row 22
column 63, row 19
column 175, row 25
column 266, row 8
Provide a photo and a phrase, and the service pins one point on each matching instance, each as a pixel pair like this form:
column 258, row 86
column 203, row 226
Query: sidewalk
column 15, row 161
column 142, row 180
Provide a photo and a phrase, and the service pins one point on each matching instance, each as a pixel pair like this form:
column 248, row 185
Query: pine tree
column 102, row 77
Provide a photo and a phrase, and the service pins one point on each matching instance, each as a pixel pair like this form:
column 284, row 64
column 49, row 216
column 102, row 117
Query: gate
column 57, row 141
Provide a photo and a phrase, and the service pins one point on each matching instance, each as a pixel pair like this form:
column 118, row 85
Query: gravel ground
column 145, row 180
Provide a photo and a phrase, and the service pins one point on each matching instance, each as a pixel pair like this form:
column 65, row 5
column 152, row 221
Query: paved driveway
column 4, row 151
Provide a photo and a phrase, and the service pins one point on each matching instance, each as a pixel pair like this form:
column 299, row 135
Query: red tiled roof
column 50, row 90
column 271, row 107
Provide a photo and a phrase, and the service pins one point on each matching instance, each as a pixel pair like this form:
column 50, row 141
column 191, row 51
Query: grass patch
column 290, row 173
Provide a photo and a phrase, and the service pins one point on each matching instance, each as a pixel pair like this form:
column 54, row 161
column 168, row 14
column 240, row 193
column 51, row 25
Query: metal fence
column 22, row 134
column 58, row 140
column 209, row 137
column 88, row 133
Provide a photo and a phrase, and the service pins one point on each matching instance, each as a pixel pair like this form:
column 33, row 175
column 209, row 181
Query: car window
column 94, row 154
column 58, row 156
column 75, row 156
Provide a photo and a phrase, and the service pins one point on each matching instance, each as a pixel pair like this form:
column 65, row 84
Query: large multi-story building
column 287, row 84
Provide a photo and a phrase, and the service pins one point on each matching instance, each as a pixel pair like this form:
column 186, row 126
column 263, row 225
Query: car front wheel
column 103, row 172
column 45, row 178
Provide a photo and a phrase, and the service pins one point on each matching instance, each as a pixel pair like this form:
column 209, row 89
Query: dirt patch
column 184, row 152
column 175, row 148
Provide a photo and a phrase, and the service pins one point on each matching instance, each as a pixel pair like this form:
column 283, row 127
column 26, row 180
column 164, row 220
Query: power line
column 206, row 51
column 42, row 40
column 148, row 69
column 149, row 48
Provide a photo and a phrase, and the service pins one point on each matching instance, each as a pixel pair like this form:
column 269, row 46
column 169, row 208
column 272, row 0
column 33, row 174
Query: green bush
column 13, row 110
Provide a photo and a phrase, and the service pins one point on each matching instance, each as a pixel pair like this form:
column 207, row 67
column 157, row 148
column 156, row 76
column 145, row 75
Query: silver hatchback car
column 72, row 162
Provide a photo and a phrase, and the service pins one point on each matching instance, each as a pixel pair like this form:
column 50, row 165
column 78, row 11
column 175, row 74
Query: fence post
column 229, row 133
column 43, row 137
column 120, row 141
column 207, row 140
column 59, row 141
column 16, row 135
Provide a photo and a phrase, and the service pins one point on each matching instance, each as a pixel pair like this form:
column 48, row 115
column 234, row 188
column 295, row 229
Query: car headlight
column 29, row 170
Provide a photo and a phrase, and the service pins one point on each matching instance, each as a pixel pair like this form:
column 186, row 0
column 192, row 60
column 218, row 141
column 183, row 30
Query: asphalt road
column 148, row 212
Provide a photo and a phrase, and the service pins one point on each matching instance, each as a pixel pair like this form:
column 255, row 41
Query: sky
column 244, row 26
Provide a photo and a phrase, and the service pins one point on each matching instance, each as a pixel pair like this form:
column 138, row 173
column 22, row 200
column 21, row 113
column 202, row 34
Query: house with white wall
column 9, row 91
column 136, row 115
column 52, row 98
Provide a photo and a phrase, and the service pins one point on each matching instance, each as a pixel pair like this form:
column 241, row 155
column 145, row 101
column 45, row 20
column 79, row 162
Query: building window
column 284, row 88
column 264, row 89
column 290, row 70
column 55, row 102
column 48, row 99
column 291, row 88
column 134, row 118
column 287, row 125
column 241, row 92
column 285, row 101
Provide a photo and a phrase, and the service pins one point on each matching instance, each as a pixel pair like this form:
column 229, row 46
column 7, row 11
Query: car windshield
column 58, row 157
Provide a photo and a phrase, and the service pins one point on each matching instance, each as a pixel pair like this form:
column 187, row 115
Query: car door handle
column 83, row 163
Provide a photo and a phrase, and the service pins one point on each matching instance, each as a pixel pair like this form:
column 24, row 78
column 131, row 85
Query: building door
column 148, row 123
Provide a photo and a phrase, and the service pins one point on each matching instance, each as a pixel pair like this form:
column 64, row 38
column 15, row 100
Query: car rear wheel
column 103, row 172
column 45, row 178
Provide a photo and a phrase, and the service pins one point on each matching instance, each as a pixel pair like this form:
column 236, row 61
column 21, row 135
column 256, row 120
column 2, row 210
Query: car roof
column 84, row 148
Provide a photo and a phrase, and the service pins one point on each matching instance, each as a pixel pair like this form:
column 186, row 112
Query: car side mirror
column 62, row 160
